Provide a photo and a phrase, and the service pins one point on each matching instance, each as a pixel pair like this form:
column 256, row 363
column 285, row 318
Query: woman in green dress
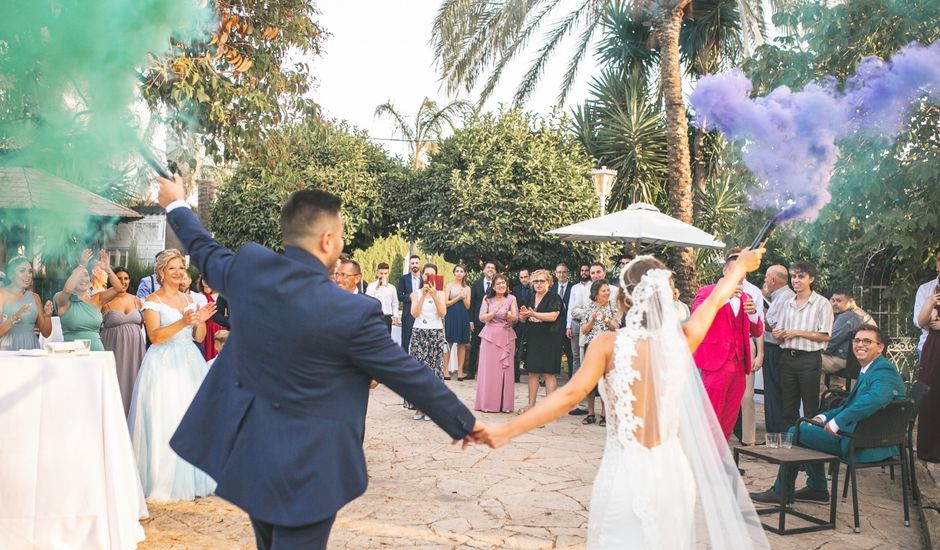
column 79, row 311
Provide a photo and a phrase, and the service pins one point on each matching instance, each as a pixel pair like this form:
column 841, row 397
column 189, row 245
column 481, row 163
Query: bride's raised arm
column 561, row 401
column 701, row 319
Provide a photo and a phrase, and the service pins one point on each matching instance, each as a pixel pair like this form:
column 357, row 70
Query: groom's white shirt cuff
column 177, row 204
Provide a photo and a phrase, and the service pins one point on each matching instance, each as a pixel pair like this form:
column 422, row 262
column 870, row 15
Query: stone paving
column 534, row 493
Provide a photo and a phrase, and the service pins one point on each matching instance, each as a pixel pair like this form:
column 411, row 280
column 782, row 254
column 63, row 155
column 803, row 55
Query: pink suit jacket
column 726, row 333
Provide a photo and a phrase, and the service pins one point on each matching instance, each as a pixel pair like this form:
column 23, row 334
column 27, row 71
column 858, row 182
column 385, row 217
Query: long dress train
column 666, row 480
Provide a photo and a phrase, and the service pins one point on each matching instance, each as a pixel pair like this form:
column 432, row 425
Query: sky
column 380, row 50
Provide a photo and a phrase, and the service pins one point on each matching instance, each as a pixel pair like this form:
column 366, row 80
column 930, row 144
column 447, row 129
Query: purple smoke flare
column 790, row 138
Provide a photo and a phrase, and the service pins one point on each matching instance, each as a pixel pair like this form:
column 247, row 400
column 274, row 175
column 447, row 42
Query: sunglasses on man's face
column 539, row 281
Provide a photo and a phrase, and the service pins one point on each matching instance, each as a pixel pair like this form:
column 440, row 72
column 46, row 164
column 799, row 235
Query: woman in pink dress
column 495, row 375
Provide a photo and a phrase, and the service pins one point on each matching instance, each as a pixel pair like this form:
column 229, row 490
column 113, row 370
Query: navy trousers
column 307, row 537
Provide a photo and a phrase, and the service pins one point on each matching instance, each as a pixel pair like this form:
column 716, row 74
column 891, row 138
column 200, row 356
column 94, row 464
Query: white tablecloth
column 68, row 478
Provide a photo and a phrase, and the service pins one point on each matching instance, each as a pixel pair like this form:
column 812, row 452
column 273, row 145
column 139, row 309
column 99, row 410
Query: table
column 789, row 459
column 68, row 478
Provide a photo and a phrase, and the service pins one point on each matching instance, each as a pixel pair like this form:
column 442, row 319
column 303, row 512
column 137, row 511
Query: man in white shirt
column 878, row 384
column 803, row 329
column 924, row 291
column 385, row 293
column 776, row 292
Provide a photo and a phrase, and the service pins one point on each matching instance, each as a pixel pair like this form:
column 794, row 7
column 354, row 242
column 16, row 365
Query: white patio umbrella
column 640, row 223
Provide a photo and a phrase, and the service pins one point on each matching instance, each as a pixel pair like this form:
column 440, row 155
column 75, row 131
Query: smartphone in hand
column 439, row 282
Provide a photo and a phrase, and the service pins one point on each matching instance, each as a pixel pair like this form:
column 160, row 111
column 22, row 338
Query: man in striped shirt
column 803, row 328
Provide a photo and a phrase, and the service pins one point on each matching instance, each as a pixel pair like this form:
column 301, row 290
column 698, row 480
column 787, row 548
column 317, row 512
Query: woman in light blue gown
column 169, row 376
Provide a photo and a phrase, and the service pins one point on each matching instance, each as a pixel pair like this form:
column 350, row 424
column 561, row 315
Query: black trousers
column 799, row 382
column 307, row 537
column 470, row 367
column 388, row 323
column 773, row 396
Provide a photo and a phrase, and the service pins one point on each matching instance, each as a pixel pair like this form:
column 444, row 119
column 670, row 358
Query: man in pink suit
column 724, row 357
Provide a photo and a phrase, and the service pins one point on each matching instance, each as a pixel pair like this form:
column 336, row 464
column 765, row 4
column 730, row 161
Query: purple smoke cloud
column 790, row 138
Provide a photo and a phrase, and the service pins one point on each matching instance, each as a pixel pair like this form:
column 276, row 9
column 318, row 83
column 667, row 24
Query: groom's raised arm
column 207, row 254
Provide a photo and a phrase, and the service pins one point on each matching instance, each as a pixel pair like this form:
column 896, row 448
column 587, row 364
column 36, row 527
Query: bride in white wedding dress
column 667, row 479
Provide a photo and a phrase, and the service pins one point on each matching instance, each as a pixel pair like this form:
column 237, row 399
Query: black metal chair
column 916, row 394
column 831, row 399
column 887, row 427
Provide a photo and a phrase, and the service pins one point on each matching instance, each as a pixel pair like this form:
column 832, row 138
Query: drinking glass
column 85, row 347
column 786, row 440
column 772, row 440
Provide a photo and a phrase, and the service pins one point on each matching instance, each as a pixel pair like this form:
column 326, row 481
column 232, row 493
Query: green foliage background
column 495, row 187
column 316, row 155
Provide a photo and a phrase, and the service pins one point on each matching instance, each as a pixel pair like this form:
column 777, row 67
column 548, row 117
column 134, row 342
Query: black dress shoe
column 767, row 497
column 577, row 412
column 811, row 495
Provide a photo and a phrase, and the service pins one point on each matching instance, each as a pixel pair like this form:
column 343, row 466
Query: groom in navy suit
column 278, row 421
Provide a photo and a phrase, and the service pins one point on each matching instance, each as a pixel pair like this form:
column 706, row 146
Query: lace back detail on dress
column 617, row 385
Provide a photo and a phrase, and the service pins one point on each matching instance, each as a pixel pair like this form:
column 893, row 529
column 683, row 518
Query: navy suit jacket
column 404, row 296
column 278, row 421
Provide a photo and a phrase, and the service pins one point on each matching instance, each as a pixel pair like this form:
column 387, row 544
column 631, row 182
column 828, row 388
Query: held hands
column 170, row 190
column 783, row 334
column 493, row 436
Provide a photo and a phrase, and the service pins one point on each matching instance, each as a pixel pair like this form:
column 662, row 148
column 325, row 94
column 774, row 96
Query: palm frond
column 401, row 124
column 575, row 62
column 556, row 35
column 510, row 54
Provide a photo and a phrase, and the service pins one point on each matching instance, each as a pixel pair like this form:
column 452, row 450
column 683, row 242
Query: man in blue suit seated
column 278, row 421
column 878, row 384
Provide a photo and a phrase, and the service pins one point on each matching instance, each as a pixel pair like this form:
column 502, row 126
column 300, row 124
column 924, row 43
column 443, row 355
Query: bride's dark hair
column 632, row 274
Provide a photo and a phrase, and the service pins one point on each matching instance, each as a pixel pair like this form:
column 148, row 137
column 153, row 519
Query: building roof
column 26, row 188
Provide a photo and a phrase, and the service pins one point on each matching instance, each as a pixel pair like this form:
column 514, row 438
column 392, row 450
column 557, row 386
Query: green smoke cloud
column 68, row 87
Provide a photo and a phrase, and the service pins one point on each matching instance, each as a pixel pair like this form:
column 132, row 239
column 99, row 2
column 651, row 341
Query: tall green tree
column 882, row 215
column 496, row 186
column 427, row 126
column 315, row 154
column 473, row 37
column 247, row 78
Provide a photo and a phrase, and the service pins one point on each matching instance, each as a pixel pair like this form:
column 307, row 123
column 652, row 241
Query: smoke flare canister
column 764, row 233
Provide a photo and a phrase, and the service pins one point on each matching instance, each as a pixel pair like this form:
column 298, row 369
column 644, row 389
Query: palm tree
column 622, row 128
column 470, row 37
column 427, row 126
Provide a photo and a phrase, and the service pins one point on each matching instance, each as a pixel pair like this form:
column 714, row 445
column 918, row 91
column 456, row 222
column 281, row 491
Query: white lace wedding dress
column 667, row 480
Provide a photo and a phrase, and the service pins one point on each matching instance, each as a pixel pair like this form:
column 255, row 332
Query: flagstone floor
column 534, row 493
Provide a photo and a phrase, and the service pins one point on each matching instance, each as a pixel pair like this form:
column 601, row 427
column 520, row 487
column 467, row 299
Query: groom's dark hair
column 303, row 210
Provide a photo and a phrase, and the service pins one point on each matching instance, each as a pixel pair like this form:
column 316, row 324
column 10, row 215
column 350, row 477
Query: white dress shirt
column 387, row 296
column 922, row 293
column 573, row 299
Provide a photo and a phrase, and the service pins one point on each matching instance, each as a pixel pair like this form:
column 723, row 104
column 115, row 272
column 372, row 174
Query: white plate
column 32, row 352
